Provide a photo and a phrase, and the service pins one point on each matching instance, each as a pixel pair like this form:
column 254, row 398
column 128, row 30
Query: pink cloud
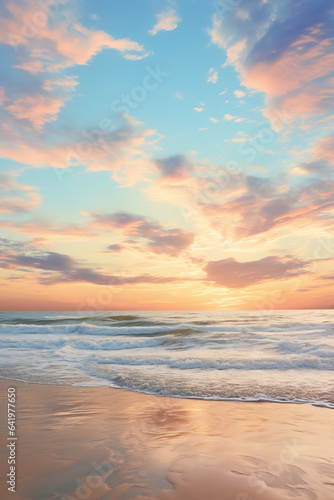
column 137, row 233
column 16, row 198
column 260, row 207
column 50, row 41
column 36, row 109
column 125, row 151
column 49, row 229
column 67, row 83
column 292, row 65
column 292, row 70
column 324, row 150
column 3, row 97
column 322, row 159
column 233, row 274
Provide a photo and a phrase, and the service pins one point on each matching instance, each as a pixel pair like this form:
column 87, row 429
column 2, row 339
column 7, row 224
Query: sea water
column 283, row 356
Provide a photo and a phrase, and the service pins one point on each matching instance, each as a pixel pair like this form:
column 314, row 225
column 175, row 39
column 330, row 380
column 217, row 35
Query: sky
column 166, row 155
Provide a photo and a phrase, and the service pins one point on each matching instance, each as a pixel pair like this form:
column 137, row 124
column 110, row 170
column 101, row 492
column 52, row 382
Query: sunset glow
column 166, row 155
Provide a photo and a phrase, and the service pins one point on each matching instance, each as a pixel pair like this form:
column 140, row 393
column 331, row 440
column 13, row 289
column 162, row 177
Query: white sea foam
column 277, row 356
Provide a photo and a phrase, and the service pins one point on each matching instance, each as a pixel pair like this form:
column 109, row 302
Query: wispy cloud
column 179, row 95
column 176, row 167
column 212, row 76
column 239, row 94
column 124, row 151
column 59, row 42
column 233, row 274
column 145, row 234
column 37, row 110
column 283, row 49
column 229, row 117
column 200, row 107
column 167, row 20
column 59, row 268
column 16, row 198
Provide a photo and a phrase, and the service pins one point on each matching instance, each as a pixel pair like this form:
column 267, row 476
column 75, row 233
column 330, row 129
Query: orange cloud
column 47, row 228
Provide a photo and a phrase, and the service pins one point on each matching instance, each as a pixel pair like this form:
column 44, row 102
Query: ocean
column 281, row 356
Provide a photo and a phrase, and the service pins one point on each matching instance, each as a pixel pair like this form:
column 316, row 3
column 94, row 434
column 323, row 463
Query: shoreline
column 118, row 444
column 317, row 404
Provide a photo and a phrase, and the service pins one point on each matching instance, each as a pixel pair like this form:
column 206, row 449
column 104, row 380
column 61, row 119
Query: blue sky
column 208, row 125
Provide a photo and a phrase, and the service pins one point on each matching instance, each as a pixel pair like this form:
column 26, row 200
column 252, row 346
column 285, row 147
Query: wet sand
column 100, row 443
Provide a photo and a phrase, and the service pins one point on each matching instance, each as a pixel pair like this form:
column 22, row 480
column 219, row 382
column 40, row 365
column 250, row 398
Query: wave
column 223, row 364
column 320, row 350
column 121, row 318
column 91, row 329
column 220, row 355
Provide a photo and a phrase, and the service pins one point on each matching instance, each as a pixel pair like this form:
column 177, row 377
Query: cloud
column 248, row 205
column 239, row 94
column 138, row 233
column 284, row 49
column 213, row 120
column 60, row 268
column 3, row 97
column 212, row 76
column 167, row 20
column 116, row 248
column 324, row 150
column 233, row 274
column 237, row 119
column 36, row 109
column 145, row 234
column 53, row 39
column 124, row 151
column 199, row 109
column 176, row 168
column 240, row 137
column 67, row 83
column 46, row 228
column 229, row 117
column 16, row 198
column 178, row 95
column 322, row 160
column 258, row 205
column 46, row 40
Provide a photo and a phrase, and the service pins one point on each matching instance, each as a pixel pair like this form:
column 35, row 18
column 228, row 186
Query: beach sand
column 108, row 444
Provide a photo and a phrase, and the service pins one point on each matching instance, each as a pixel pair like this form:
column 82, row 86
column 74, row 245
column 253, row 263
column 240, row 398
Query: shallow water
column 285, row 356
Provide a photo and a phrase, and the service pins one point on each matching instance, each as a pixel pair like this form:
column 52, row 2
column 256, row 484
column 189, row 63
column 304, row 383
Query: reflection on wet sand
column 100, row 443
